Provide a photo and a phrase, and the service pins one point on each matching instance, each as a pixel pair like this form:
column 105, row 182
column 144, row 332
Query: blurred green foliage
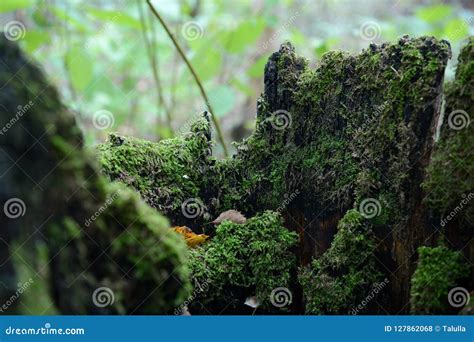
column 96, row 53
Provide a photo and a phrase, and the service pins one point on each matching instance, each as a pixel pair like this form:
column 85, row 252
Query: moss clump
column 152, row 254
column 450, row 172
column 341, row 277
column 438, row 270
column 244, row 260
column 166, row 173
column 125, row 246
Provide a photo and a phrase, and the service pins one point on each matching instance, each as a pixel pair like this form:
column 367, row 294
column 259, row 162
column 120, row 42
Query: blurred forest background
column 114, row 57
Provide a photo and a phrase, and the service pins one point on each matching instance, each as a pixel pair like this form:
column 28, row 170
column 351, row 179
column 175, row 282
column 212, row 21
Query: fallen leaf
column 192, row 239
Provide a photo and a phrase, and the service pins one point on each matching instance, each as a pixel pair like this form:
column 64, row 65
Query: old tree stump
column 352, row 167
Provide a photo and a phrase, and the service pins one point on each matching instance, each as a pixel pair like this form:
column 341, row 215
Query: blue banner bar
column 237, row 328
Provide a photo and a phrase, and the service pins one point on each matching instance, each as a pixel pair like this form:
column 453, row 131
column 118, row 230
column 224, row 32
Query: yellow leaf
column 192, row 239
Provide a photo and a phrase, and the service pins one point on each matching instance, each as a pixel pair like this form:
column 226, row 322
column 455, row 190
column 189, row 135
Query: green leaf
column 245, row 35
column 34, row 39
column 434, row 13
column 116, row 17
column 12, row 5
column 257, row 68
column 241, row 86
column 324, row 46
column 456, row 30
column 222, row 99
column 62, row 15
column 80, row 68
column 163, row 132
column 40, row 18
column 207, row 63
column 297, row 37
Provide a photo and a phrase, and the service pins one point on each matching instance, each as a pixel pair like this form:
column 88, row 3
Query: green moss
column 165, row 173
column 438, row 271
column 244, row 260
column 341, row 277
column 153, row 254
column 355, row 121
column 126, row 246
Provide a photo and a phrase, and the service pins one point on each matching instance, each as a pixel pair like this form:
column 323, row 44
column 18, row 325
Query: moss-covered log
column 99, row 235
column 166, row 174
column 342, row 278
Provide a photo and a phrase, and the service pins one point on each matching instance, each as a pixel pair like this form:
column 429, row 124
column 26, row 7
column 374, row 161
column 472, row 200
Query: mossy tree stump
column 355, row 133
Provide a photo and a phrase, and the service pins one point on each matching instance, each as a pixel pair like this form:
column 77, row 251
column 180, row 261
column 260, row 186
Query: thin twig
column 196, row 78
column 152, row 58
